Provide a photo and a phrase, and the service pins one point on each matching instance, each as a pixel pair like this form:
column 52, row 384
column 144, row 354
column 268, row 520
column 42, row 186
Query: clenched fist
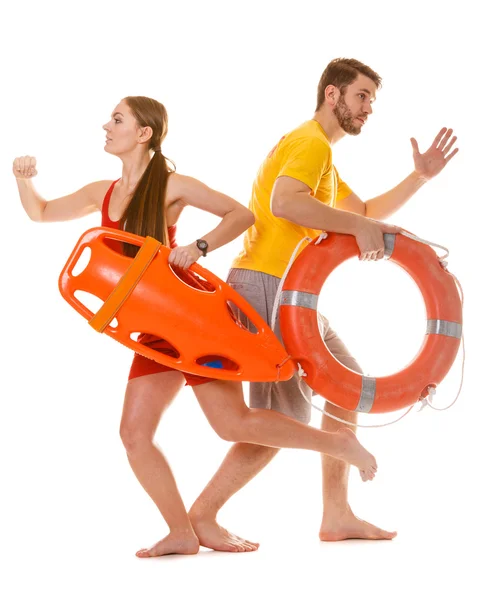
column 184, row 256
column 24, row 167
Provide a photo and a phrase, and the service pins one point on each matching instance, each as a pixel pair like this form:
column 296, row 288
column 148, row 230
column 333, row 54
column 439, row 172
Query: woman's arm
column 235, row 218
column 76, row 205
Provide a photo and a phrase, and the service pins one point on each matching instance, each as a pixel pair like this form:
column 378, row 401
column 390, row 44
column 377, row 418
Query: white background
column 234, row 78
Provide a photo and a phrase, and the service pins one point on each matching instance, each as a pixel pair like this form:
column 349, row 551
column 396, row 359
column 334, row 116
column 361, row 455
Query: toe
column 389, row 535
column 242, row 547
column 229, row 547
column 249, row 547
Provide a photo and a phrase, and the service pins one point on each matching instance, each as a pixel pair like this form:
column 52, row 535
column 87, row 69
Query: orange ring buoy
column 339, row 384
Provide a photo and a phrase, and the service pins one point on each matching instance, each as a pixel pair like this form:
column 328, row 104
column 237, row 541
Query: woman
column 147, row 200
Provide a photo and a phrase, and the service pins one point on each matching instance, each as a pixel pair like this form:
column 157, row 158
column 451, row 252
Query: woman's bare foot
column 176, row 542
column 348, row 448
column 344, row 525
column 211, row 535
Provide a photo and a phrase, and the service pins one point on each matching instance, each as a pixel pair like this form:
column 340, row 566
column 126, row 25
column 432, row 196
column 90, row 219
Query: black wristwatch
column 202, row 245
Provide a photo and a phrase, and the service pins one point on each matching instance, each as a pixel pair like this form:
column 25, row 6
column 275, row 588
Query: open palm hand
column 437, row 156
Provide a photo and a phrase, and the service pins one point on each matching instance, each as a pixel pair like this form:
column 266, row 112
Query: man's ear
column 331, row 95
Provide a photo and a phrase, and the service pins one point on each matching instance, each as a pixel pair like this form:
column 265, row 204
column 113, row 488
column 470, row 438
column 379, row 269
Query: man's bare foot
column 211, row 535
column 344, row 526
column 349, row 449
column 177, row 542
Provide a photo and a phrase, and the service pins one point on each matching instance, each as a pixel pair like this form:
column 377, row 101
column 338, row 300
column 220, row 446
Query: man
column 299, row 193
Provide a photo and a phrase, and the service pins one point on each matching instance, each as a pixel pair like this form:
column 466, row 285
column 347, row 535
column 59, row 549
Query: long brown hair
column 341, row 72
column 145, row 214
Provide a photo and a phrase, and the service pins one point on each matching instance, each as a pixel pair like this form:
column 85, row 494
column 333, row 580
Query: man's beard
column 345, row 118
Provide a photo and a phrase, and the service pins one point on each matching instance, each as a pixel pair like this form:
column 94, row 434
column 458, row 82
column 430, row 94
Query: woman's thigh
column 147, row 398
column 222, row 402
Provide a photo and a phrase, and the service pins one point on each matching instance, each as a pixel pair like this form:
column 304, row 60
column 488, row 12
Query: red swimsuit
column 140, row 364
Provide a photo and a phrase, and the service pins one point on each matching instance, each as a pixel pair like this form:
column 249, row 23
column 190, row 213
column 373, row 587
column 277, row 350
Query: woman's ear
column 145, row 134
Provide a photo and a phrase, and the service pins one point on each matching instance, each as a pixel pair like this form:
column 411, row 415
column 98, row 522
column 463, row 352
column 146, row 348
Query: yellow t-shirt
column 304, row 154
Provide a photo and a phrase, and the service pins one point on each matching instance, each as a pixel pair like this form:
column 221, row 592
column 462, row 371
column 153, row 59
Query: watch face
column 201, row 245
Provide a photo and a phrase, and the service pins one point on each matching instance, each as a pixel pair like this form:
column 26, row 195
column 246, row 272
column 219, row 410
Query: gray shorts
column 287, row 397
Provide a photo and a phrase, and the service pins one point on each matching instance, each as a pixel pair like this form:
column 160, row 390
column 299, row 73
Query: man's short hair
column 341, row 72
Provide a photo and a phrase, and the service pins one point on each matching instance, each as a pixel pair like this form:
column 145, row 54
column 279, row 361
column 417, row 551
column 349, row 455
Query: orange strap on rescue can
column 126, row 285
column 339, row 384
column 192, row 312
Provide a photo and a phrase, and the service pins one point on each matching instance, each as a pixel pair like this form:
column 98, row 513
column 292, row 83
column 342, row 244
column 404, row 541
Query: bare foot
column 349, row 449
column 344, row 526
column 177, row 542
column 211, row 535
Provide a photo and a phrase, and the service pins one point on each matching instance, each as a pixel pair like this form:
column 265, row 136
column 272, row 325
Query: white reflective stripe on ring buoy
column 296, row 298
column 389, row 243
column 441, row 327
column 367, row 395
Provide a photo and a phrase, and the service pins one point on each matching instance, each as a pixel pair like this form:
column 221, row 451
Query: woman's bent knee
column 134, row 439
column 238, row 429
column 231, row 429
column 228, row 433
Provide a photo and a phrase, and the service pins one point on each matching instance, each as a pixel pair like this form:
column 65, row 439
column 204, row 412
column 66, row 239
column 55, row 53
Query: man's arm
column 291, row 199
column 383, row 206
column 426, row 166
